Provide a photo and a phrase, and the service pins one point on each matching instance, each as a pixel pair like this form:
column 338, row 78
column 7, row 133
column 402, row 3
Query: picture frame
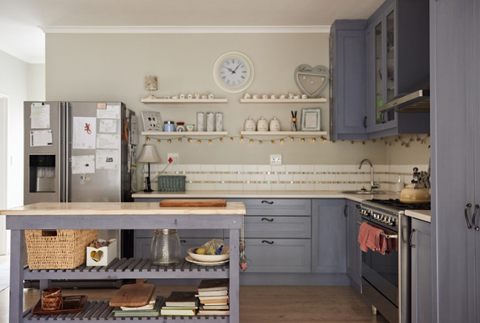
column 152, row 121
column 311, row 119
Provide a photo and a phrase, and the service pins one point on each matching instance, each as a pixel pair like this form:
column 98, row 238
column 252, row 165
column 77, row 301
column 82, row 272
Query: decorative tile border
column 289, row 177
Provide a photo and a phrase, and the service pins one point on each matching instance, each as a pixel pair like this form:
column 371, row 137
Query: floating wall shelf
column 319, row 100
column 284, row 133
column 185, row 101
column 185, row 133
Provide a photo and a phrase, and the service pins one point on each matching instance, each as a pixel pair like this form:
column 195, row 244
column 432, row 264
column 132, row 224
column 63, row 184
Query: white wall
column 36, row 82
column 14, row 83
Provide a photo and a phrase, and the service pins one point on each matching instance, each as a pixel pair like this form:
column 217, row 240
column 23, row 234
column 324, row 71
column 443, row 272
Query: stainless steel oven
column 386, row 278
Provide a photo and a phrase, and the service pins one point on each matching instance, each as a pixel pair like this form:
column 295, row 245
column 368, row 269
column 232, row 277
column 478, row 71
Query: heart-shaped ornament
column 311, row 80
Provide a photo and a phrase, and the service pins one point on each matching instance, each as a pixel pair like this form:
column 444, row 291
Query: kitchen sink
column 364, row 192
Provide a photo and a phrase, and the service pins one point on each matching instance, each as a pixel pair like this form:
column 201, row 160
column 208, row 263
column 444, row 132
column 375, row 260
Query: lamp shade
column 148, row 155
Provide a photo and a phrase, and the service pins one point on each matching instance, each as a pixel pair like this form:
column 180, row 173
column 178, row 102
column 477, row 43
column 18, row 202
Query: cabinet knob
column 183, row 241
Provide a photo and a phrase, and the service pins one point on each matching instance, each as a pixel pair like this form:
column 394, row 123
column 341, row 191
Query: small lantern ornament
column 151, row 84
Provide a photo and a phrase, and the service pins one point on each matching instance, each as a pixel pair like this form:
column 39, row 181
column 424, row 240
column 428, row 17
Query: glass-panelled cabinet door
column 378, row 70
column 390, row 56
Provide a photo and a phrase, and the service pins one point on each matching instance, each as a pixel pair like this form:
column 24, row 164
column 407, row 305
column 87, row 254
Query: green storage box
column 171, row 183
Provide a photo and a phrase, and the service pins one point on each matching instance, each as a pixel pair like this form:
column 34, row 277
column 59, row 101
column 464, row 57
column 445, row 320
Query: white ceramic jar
column 250, row 125
column 275, row 125
column 210, row 121
column 262, row 124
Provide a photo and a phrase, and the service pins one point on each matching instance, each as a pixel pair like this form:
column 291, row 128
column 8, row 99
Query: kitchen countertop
column 424, row 215
column 119, row 208
column 266, row 194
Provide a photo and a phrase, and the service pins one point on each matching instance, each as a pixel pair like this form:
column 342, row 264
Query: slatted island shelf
column 117, row 216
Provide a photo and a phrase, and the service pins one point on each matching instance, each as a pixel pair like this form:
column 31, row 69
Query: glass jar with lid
column 165, row 249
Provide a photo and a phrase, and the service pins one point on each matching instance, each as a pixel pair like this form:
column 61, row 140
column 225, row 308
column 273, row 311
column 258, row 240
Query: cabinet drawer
column 301, row 207
column 281, row 256
column 276, row 227
column 185, row 233
column 142, row 246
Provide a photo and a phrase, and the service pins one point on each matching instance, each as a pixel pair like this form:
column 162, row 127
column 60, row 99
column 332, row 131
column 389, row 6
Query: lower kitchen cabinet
column 421, row 288
column 354, row 253
column 328, row 236
column 278, row 255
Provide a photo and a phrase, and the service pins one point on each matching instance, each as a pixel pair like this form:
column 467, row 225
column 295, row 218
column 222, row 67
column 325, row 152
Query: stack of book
column 180, row 303
column 213, row 295
column 151, row 309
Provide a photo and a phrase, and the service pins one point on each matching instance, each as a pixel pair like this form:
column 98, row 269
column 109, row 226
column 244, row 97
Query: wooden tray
column 133, row 295
column 71, row 304
column 194, row 203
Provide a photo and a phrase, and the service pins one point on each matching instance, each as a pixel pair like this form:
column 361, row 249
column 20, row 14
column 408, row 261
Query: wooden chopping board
column 133, row 295
column 194, row 203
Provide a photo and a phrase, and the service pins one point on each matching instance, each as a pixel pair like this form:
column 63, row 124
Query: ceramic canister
column 262, row 124
column 210, row 121
column 250, row 125
column 275, row 125
column 200, row 121
column 169, row 126
column 219, row 121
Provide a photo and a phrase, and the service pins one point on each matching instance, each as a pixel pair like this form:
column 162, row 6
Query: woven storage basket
column 57, row 249
column 171, row 183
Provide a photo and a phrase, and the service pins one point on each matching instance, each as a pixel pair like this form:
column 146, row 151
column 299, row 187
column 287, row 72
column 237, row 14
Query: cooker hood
column 417, row 99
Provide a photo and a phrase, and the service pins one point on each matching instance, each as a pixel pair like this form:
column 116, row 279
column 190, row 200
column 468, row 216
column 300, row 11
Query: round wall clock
column 233, row 72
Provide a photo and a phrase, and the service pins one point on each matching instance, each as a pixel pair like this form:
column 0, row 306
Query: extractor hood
column 417, row 101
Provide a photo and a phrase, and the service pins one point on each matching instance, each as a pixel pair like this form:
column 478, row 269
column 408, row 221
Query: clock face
column 233, row 72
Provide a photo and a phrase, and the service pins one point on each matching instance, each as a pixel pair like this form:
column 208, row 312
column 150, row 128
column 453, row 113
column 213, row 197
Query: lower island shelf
column 102, row 311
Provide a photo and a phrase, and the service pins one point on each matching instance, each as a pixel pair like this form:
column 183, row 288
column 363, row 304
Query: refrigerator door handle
column 63, row 150
column 67, row 151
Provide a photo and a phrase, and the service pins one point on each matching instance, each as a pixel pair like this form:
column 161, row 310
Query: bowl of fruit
column 212, row 251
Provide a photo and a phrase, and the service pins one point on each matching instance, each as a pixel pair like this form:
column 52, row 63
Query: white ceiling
column 20, row 19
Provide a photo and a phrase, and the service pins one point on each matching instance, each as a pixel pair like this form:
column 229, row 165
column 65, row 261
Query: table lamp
column 148, row 155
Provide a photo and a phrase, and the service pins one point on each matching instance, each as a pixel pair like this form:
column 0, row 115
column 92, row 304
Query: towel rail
column 387, row 236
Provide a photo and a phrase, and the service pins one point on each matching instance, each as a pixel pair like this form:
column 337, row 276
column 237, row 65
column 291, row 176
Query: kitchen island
column 106, row 216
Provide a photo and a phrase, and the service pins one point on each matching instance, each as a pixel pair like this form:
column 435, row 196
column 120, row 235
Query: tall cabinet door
column 452, row 160
column 476, row 144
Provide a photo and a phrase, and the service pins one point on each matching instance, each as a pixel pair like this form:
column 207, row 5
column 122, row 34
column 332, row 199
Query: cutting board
column 133, row 295
column 194, row 203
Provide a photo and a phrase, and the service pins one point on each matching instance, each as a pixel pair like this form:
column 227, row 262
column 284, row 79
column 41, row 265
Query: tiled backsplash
column 287, row 177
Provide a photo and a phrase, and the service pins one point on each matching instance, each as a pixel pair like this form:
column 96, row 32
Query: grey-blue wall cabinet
column 347, row 80
column 397, row 62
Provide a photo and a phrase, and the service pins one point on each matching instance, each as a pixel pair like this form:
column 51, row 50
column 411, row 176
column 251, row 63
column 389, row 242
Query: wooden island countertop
column 120, row 208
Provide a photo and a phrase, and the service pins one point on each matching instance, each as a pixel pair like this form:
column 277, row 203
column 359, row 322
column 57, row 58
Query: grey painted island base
column 120, row 268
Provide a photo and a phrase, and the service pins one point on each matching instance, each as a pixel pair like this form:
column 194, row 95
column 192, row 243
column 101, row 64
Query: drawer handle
column 265, row 219
column 268, row 202
column 345, row 210
column 183, row 241
column 269, row 242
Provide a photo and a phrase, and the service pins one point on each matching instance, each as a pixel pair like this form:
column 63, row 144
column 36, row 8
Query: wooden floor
column 258, row 304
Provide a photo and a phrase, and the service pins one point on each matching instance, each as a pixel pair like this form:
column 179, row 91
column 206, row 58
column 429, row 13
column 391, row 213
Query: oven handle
column 387, row 236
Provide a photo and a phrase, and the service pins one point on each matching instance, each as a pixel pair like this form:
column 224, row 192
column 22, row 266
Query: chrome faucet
column 372, row 185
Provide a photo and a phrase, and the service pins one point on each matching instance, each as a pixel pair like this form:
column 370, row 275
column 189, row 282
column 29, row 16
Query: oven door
column 381, row 271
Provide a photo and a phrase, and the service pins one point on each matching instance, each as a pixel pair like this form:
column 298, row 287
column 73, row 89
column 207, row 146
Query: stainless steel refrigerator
column 80, row 152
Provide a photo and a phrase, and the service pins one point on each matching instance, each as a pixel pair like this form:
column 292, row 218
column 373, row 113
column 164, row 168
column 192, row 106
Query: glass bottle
column 165, row 249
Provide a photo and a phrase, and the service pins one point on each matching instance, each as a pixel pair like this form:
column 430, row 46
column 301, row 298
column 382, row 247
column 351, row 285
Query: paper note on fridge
column 107, row 141
column 84, row 132
column 40, row 138
column 111, row 112
column 40, row 116
column 109, row 126
column 83, row 164
column 107, row 159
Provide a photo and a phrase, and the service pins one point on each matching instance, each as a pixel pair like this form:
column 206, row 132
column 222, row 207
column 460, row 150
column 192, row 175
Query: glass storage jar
column 165, row 249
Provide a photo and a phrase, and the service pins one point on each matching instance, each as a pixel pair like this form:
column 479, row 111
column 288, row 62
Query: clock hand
column 230, row 70
column 237, row 67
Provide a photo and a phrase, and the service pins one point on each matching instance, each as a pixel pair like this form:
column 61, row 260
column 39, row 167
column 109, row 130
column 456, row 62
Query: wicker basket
column 57, row 249
column 171, row 183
